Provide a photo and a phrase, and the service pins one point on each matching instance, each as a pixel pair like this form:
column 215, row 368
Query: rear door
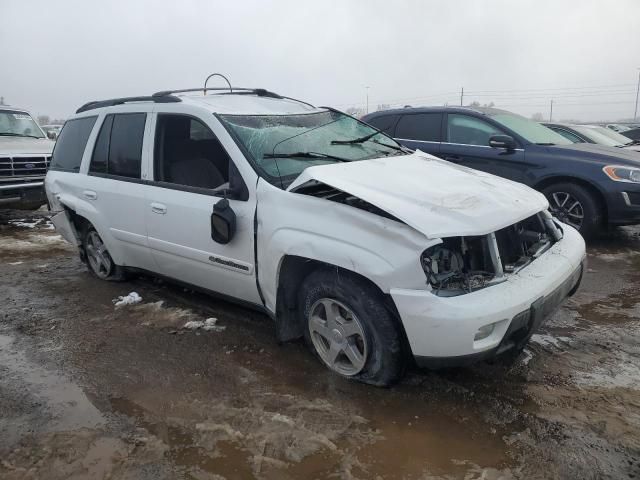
column 192, row 172
column 466, row 142
column 115, row 189
column 421, row 131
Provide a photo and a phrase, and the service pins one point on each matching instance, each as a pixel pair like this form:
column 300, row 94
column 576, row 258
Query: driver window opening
column 187, row 153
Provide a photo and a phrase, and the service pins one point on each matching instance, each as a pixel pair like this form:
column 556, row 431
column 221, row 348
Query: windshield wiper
column 304, row 155
column 547, row 144
column 355, row 140
column 394, row 147
column 10, row 134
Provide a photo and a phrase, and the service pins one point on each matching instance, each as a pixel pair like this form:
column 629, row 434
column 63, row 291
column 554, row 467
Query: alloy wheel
column 338, row 336
column 566, row 208
column 98, row 256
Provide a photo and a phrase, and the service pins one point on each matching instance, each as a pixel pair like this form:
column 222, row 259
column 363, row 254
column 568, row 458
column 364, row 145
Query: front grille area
column 24, row 166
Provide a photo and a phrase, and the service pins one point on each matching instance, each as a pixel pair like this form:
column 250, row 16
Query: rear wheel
column 97, row 257
column 349, row 328
column 576, row 206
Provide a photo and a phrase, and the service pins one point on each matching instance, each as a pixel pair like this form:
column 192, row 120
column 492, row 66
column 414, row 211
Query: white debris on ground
column 130, row 299
column 210, row 324
column 16, row 263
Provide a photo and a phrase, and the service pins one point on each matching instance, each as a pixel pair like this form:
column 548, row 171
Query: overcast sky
column 584, row 54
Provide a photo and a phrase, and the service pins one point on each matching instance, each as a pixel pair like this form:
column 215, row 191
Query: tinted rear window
column 420, row 126
column 67, row 154
column 118, row 148
column 125, row 149
column 385, row 123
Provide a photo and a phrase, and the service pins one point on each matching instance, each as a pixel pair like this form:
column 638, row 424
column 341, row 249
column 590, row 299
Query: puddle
column 63, row 401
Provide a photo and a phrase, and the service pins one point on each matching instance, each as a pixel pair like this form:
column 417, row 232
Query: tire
column 360, row 324
column 98, row 259
column 562, row 198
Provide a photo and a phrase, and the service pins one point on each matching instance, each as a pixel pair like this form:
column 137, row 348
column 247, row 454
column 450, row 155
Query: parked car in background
column 617, row 127
column 632, row 133
column 52, row 131
column 25, row 152
column 371, row 252
column 588, row 186
column 593, row 134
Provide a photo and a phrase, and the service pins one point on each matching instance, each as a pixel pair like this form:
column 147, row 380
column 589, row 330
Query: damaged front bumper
column 447, row 331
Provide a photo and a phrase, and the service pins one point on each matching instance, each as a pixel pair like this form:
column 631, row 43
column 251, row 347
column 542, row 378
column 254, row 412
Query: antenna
column 204, row 92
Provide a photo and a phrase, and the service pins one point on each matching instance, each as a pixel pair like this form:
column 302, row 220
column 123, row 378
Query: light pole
column 635, row 113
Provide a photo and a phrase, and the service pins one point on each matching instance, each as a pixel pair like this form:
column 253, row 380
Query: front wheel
column 349, row 328
column 576, row 206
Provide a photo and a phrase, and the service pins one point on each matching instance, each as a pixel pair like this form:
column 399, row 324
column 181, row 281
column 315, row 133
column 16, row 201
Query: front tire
column 575, row 205
column 349, row 329
column 97, row 257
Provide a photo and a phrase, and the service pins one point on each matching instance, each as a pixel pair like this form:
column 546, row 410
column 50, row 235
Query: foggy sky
column 57, row 55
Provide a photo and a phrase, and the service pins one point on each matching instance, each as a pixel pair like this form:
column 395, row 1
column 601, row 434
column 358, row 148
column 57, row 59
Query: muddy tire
column 575, row 205
column 348, row 327
column 97, row 257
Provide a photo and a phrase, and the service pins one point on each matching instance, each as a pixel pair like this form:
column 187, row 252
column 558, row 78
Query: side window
column 188, row 154
column 424, row 127
column 101, row 148
column 118, row 148
column 385, row 123
column 67, row 154
column 568, row 135
column 468, row 130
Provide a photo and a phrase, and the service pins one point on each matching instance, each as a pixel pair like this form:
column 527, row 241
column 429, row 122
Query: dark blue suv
column 588, row 186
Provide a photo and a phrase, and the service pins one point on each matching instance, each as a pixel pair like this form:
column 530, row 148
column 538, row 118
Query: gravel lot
column 91, row 390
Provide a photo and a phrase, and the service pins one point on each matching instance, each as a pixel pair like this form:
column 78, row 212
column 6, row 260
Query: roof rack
column 119, row 101
column 261, row 92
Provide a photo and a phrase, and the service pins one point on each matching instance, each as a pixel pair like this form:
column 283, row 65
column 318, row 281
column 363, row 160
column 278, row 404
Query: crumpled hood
column 437, row 198
column 25, row 145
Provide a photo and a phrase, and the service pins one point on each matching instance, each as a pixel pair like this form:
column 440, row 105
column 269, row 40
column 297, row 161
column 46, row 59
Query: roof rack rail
column 119, row 101
column 230, row 90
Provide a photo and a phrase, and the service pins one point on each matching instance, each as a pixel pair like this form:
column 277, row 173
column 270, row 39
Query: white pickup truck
column 25, row 153
column 373, row 253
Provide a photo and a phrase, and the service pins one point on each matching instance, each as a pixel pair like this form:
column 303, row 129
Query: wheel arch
column 292, row 272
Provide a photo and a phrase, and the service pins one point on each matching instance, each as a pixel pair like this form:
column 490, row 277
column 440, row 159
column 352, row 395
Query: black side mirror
column 223, row 222
column 502, row 141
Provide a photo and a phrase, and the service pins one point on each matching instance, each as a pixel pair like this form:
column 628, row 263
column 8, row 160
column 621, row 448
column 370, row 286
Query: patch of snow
column 23, row 223
column 549, row 340
column 210, row 324
column 130, row 299
column 527, row 357
column 16, row 263
column 623, row 375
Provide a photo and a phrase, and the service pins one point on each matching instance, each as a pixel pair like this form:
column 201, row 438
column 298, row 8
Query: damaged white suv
column 375, row 254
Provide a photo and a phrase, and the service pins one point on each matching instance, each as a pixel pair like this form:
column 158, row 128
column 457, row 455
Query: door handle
column 90, row 194
column 452, row 158
column 158, row 208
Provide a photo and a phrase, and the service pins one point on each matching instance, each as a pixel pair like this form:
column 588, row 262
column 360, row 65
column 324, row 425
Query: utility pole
column 551, row 112
column 635, row 113
column 461, row 96
column 367, row 98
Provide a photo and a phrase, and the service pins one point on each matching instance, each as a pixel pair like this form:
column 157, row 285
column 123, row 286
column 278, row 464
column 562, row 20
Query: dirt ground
column 90, row 390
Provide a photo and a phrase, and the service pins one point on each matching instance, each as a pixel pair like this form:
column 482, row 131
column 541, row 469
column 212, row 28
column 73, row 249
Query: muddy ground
column 89, row 390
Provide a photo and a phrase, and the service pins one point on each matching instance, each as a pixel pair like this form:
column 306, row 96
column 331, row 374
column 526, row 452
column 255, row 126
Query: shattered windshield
column 282, row 146
column 14, row 123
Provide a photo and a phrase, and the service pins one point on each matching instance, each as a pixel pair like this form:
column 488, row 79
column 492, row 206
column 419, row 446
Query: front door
column 467, row 143
column 192, row 172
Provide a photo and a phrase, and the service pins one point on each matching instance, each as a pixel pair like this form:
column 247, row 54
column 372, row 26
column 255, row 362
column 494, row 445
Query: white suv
column 373, row 253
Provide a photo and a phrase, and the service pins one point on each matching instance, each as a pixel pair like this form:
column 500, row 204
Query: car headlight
column 619, row 173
